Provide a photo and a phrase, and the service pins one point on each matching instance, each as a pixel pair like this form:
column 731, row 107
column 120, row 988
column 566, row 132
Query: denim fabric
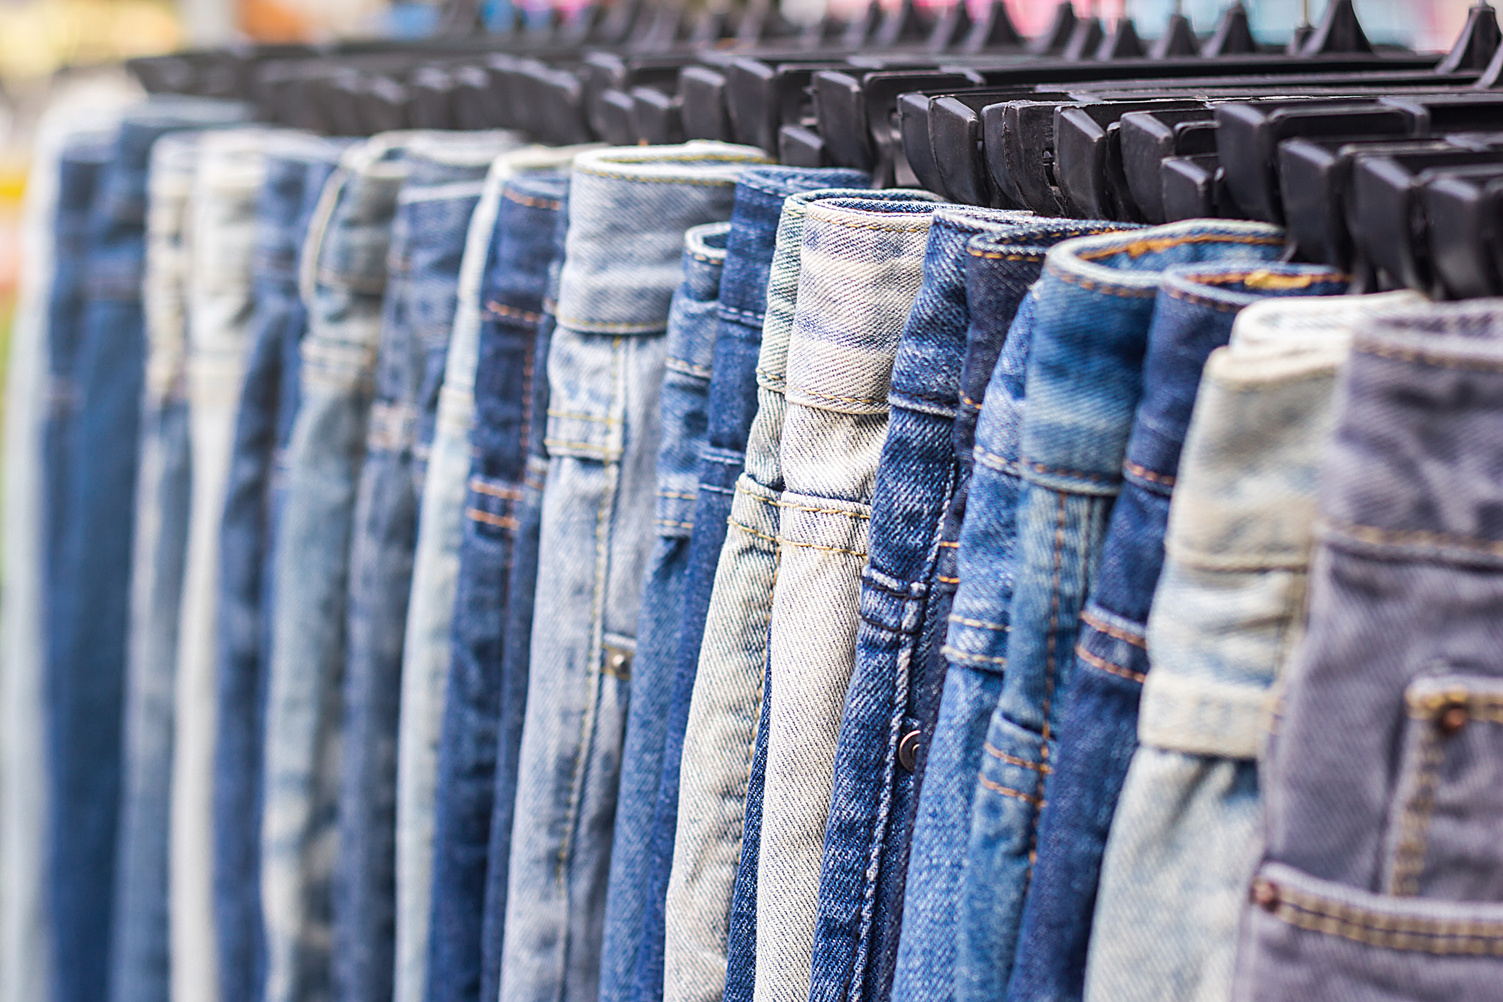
column 1380, row 879
column 628, row 211
column 296, row 168
column 1192, row 316
column 501, row 296
column 866, row 838
column 689, row 347
column 342, row 274
column 732, row 401
column 1225, row 615
column 140, row 958
column 89, row 603
column 711, row 903
column 446, row 173
column 428, row 649
column 516, row 644
column 1092, row 309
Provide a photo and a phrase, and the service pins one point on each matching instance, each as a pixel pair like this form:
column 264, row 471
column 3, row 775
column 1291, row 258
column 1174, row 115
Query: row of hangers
column 1380, row 161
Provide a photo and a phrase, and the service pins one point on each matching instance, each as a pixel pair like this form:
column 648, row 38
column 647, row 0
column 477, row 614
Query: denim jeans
column 866, row 838
column 731, row 405
column 1192, row 316
column 628, row 211
column 1380, row 877
column 484, row 414
column 1225, row 615
column 446, row 174
column 296, row 168
column 88, row 601
column 342, row 274
column 1092, row 309
column 714, row 867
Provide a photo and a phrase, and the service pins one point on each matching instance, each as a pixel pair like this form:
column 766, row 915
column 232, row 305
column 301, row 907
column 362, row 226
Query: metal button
column 908, row 750
column 1453, row 718
column 617, row 663
column 1265, row 894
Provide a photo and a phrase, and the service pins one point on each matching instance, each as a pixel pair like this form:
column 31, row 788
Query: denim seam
column 1155, row 245
column 783, row 541
column 692, row 181
column 716, row 488
column 688, row 368
column 1110, row 667
column 1102, row 626
column 977, row 659
column 875, row 401
column 481, row 486
column 1137, row 470
column 1190, row 556
column 511, row 312
column 999, row 256
column 501, row 521
column 817, row 511
column 980, row 623
column 530, row 201
column 1050, row 662
column 996, row 461
column 1370, row 928
column 1027, row 798
column 575, row 416
column 1423, row 537
column 861, row 224
column 1414, row 828
column 1101, row 478
column 608, row 327
column 680, row 495
column 748, row 315
column 999, row 754
column 1423, row 357
column 1091, row 285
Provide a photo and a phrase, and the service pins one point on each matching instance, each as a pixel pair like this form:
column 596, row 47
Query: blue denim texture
column 628, row 211
column 89, row 601
column 999, row 270
column 732, row 405
column 1092, row 310
column 516, row 647
column 1381, row 875
column 519, row 251
column 1098, row 726
column 689, row 351
column 866, row 837
column 296, row 170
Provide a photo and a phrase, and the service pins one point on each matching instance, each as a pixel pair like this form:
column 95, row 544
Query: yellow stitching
column 530, row 201
column 1167, row 479
column 1387, row 931
column 1101, row 626
column 1138, row 248
column 783, row 541
column 1372, row 534
column 817, row 511
column 1091, row 285
column 949, row 544
column 959, row 655
column 1008, row 791
column 944, row 580
column 668, row 524
column 484, row 516
column 678, row 494
column 995, row 256
column 852, row 224
column 680, row 365
column 1409, row 854
column 481, row 487
column 843, row 400
column 607, row 327
column 693, row 182
column 978, row 622
column 582, row 417
column 502, row 310
column 1108, row 667
column 998, row 753
column 1426, row 358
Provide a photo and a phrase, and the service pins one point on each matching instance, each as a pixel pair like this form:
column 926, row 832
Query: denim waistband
column 297, row 165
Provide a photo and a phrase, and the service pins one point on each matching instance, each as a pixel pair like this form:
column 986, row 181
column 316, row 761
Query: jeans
column 141, row 959
column 1092, row 309
column 342, row 275
column 1192, row 316
column 446, row 172
column 713, row 876
column 628, row 211
column 866, row 838
column 296, row 168
column 482, row 445
column 1380, row 877
column 732, row 399
column 1226, row 612
column 689, row 353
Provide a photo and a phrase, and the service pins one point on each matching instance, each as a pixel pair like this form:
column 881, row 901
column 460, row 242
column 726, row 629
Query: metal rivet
column 908, row 751
column 1453, row 718
column 617, row 663
column 1265, row 895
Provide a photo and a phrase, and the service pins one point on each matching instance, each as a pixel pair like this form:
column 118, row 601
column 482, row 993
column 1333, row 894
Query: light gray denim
column 628, row 211
column 861, row 267
column 1226, row 613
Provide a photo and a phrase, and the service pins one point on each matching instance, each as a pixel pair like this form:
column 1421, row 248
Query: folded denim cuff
column 1199, row 716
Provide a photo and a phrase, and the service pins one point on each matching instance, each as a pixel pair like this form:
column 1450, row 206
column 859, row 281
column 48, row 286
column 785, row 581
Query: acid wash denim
column 866, row 837
column 689, row 352
column 628, row 212
column 342, row 274
column 999, row 270
column 731, row 407
column 711, row 905
column 296, row 168
column 1380, row 876
column 485, row 415
column 1226, row 613
column 1192, row 316
column 140, row 959
column 1091, row 313
column 446, row 172
column 88, row 605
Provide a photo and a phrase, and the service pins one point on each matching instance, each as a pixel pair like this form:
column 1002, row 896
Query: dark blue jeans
column 516, row 276
column 296, row 172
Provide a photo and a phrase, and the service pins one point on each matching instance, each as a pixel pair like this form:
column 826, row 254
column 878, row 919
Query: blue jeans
column 296, row 170
column 1381, row 876
column 999, row 270
column 507, row 305
column 629, row 209
column 1093, row 306
column 689, row 352
column 732, row 401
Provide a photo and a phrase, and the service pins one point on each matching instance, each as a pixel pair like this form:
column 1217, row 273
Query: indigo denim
column 999, row 270
column 484, row 418
column 342, row 274
column 1225, row 615
column 689, row 346
column 1380, row 876
column 296, row 168
column 628, row 211
column 1092, row 310
column 446, row 174
column 711, row 905
column 1192, row 316
column 141, row 958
